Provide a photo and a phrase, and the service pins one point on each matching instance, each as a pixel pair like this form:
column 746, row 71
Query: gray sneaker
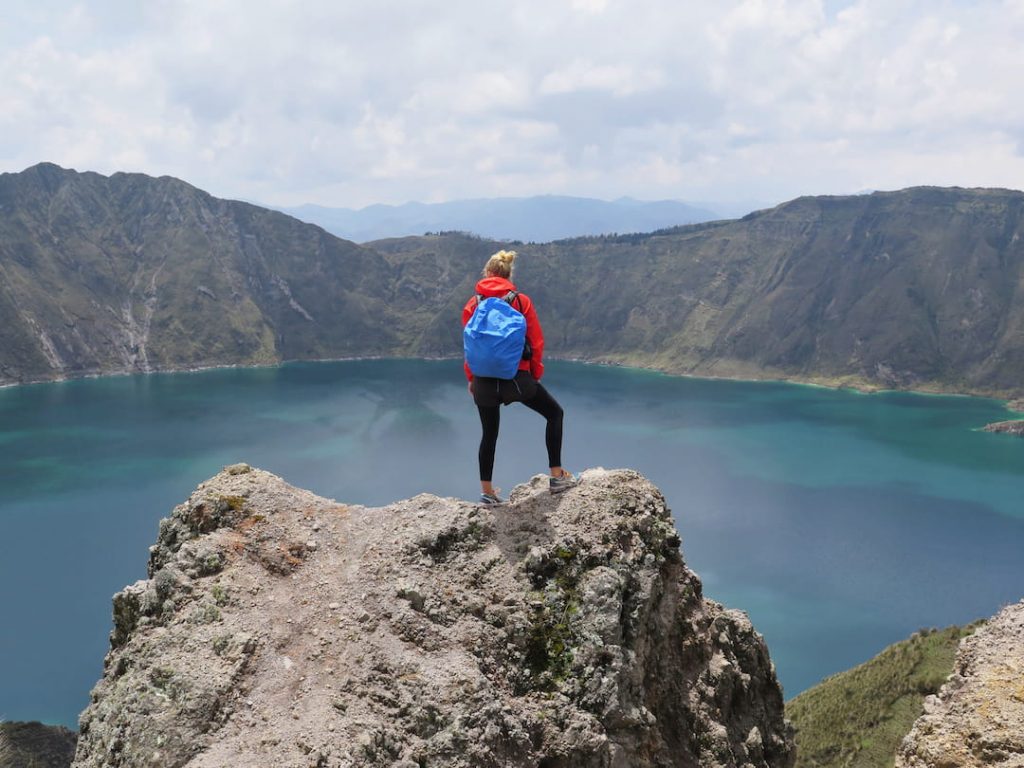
column 562, row 483
column 491, row 500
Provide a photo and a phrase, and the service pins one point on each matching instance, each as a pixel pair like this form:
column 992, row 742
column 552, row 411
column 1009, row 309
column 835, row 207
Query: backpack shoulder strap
column 511, row 297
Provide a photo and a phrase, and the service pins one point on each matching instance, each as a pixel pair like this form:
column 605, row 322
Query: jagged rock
column 977, row 719
column 1012, row 427
column 280, row 628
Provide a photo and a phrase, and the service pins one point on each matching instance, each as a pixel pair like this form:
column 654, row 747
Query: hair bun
column 500, row 264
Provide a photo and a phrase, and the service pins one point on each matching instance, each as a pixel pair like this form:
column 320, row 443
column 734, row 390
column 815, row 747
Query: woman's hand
column 469, row 386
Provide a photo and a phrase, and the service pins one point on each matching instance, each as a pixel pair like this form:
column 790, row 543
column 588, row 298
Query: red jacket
column 499, row 286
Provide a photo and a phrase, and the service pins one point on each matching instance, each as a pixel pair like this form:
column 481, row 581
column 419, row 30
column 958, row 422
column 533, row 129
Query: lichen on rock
column 280, row 628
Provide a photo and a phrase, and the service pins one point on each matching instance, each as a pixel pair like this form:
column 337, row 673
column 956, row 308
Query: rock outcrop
column 280, row 628
column 1012, row 427
column 977, row 719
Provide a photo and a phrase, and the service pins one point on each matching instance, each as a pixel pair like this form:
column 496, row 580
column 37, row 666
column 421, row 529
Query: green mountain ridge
column 917, row 289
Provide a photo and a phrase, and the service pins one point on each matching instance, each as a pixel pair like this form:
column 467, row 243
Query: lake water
column 840, row 522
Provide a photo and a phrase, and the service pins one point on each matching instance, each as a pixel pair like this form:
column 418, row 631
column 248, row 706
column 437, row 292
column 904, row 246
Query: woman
column 490, row 394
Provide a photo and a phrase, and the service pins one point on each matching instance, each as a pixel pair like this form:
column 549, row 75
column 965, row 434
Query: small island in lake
column 1012, row 427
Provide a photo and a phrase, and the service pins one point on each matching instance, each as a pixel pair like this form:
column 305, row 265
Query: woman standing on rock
column 490, row 392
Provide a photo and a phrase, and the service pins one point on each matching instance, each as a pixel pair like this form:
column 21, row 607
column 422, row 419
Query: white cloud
column 619, row 80
column 589, row 6
column 353, row 103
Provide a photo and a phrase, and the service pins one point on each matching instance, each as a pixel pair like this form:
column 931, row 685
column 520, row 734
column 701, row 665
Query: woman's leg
column 490, row 419
column 544, row 404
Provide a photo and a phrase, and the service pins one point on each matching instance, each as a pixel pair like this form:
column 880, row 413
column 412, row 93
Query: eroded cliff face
column 280, row 628
column 977, row 719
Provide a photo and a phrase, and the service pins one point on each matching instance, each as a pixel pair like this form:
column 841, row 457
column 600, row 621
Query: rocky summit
column 278, row 628
column 977, row 719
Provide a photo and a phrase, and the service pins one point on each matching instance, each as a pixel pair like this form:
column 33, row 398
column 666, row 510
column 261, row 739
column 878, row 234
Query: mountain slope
column 922, row 288
column 537, row 219
column 977, row 718
column 131, row 273
column 34, row 745
column 859, row 717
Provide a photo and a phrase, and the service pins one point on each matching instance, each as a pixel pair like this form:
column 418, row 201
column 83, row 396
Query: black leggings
column 490, row 418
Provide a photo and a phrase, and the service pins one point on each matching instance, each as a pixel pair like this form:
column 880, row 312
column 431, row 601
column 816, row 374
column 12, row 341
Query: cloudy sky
column 352, row 102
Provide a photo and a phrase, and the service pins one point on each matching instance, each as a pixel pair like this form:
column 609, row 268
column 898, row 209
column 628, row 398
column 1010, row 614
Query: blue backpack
column 494, row 339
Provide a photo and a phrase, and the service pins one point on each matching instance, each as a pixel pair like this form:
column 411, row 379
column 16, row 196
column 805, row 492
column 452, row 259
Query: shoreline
column 1013, row 403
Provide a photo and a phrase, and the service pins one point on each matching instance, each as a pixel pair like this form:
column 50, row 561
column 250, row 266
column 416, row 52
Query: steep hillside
column 132, row 273
column 278, row 628
column 859, row 717
column 916, row 289
column 977, row 718
column 920, row 289
column 34, row 745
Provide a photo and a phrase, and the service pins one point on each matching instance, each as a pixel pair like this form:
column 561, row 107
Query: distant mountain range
column 922, row 288
column 526, row 219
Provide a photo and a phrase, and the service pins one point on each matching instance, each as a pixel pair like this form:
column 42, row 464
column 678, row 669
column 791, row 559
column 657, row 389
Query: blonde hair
column 500, row 264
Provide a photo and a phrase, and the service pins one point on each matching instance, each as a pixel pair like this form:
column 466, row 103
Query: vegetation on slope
column 858, row 717
column 34, row 745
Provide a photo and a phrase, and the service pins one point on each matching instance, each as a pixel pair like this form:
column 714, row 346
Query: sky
column 352, row 103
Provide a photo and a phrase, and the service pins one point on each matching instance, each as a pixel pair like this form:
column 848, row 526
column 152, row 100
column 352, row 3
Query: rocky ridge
column 280, row 628
column 977, row 719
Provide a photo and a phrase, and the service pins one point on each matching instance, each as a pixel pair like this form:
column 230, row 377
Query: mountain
column 528, row 219
column 921, row 288
column 132, row 273
column 279, row 628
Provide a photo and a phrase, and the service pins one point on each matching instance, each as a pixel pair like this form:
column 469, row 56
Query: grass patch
column 858, row 717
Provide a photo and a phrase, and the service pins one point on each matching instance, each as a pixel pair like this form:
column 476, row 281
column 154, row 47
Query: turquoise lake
column 840, row 522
